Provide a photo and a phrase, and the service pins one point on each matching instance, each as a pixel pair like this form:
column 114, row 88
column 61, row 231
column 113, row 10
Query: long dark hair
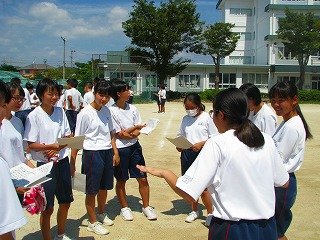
column 195, row 99
column 234, row 105
column 289, row 90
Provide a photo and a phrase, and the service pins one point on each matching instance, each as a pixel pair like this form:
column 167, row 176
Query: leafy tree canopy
column 6, row 67
column 300, row 34
column 158, row 34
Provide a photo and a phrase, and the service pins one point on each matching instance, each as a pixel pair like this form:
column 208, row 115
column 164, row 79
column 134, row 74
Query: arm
column 50, row 150
column 70, row 102
column 197, row 146
column 73, row 158
column 116, row 157
column 170, row 178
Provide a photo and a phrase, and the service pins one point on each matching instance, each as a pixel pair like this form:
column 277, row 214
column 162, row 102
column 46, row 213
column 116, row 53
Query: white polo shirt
column 26, row 104
column 11, row 144
column 76, row 98
column 12, row 216
column 265, row 119
column 290, row 139
column 197, row 129
column 46, row 129
column 240, row 179
column 88, row 98
column 96, row 126
column 124, row 119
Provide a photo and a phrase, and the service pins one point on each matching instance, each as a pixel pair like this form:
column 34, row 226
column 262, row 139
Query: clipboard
column 72, row 142
column 180, row 142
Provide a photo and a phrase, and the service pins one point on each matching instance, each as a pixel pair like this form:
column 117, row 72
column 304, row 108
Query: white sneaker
column 103, row 218
column 126, row 214
column 150, row 213
column 192, row 216
column 97, row 228
column 64, row 237
column 208, row 220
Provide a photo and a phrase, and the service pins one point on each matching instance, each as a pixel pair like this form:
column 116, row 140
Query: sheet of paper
column 180, row 142
column 79, row 182
column 151, row 125
column 72, row 142
column 24, row 176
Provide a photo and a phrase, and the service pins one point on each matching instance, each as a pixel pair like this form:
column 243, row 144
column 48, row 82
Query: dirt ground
column 171, row 209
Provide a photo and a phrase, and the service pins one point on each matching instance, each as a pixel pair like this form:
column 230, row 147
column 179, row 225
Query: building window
column 129, row 77
column 291, row 79
column 241, row 11
column 284, row 54
column 240, row 60
column 245, row 36
column 228, row 80
column 189, row 81
column 258, row 79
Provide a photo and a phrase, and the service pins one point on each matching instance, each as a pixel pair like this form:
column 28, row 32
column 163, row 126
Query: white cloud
column 116, row 16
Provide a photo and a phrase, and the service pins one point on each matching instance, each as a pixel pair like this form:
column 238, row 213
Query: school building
column 259, row 58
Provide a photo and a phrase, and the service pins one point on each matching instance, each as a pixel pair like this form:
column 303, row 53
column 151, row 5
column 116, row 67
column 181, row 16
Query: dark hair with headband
column 233, row 103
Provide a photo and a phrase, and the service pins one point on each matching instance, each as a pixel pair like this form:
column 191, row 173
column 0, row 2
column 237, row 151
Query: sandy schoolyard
column 171, row 209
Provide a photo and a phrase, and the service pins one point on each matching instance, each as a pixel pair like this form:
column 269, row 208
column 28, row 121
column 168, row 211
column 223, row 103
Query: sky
column 31, row 30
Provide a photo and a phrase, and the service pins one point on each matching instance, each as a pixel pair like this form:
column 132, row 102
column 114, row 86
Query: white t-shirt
column 240, row 179
column 26, row 104
column 124, row 119
column 46, row 129
column 88, row 98
column 76, row 98
column 265, row 119
column 34, row 100
column 11, row 144
column 197, row 129
column 12, row 216
column 290, row 138
column 60, row 102
column 110, row 102
column 96, row 126
column 162, row 94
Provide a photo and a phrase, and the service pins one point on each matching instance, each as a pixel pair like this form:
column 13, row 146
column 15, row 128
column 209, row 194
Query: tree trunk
column 217, row 73
column 302, row 65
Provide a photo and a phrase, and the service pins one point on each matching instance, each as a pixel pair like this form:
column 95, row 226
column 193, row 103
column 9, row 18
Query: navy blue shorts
column 129, row 158
column 98, row 168
column 187, row 157
column 72, row 119
column 243, row 230
column 285, row 198
column 60, row 184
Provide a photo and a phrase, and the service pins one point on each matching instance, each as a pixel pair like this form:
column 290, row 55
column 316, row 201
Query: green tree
column 159, row 34
column 300, row 34
column 218, row 41
column 6, row 67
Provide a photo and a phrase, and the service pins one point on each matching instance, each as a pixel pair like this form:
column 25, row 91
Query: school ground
column 171, row 209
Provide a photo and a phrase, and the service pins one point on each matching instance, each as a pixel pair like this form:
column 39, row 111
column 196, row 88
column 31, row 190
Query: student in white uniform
column 197, row 127
column 290, row 139
column 44, row 125
column 100, row 154
column 260, row 113
column 88, row 97
column 240, row 168
column 127, row 124
column 11, row 212
column 62, row 99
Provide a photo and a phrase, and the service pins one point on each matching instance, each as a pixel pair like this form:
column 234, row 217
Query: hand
column 22, row 190
column 153, row 171
column 116, row 159
column 139, row 126
column 197, row 147
column 50, row 154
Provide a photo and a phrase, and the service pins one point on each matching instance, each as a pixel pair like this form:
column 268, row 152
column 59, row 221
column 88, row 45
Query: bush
column 310, row 96
column 208, row 95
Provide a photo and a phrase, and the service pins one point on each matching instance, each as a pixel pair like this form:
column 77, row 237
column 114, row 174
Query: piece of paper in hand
column 72, row 142
column 180, row 142
column 151, row 125
column 25, row 176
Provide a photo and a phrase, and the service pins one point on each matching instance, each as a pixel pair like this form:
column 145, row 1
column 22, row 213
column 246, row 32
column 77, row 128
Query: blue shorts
column 129, row 158
column 72, row 119
column 98, row 168
column 264, row 229
column 187, row 157
column 285, row 198
column 60, row 184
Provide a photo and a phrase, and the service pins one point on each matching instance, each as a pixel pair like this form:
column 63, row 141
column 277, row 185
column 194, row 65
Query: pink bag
column 34, row 200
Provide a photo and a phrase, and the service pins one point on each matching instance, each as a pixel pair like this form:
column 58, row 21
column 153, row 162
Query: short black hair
column 5, row 94
column 29, row 85
column 252, row 91
column 15, row 80
column 88, row 84
column 118, row 85
column 102, row 87
column 13, row 87
column 73, row 82
column 46, row 84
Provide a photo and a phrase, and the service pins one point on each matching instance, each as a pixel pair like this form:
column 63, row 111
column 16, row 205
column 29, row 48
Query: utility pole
column 64, row 58
column 45, row 63
column 71, row 57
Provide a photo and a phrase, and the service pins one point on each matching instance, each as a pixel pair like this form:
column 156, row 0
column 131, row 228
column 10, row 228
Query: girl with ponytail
column 239, row 167
column 290, row 137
